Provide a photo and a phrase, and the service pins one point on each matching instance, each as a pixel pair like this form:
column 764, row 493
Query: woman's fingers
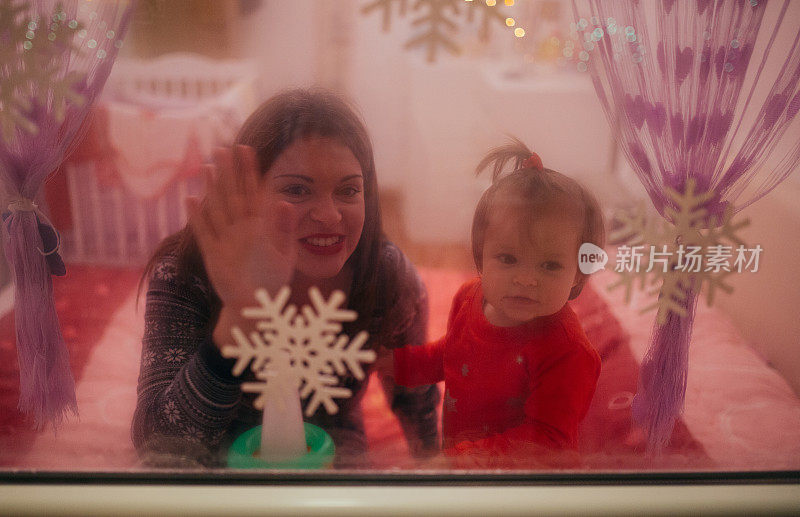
column 207, row 171
column 282, row 223
column 201, row 226
column 215, row 205
column 238, row 181
column 245, row 240
column 281, row 245
column 226, row 182
column 244, row 199
column 232, row 186
column 251, row 175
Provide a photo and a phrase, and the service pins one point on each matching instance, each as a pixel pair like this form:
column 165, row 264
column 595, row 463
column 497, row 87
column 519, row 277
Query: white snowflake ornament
column 685, row 253
column 302, row 348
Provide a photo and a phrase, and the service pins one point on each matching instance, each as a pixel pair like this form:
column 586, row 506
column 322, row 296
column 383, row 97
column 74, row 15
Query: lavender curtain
column 684, row 84
column 56, row 58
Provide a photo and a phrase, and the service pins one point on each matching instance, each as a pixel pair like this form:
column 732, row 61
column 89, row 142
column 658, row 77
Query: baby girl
column 518, row 369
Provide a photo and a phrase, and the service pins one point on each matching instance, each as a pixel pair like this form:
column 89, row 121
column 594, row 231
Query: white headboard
column 177, row 77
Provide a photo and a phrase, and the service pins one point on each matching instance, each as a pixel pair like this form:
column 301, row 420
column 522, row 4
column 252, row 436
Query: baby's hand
column 467, row 455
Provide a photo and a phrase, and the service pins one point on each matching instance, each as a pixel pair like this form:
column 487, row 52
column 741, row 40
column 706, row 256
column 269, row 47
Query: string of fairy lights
column 510, row 21
column 564, row 50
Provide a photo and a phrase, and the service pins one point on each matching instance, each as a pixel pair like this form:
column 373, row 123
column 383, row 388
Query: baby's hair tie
column 534, row 162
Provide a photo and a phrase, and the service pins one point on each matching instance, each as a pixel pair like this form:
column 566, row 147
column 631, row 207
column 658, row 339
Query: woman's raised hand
column 246, row 238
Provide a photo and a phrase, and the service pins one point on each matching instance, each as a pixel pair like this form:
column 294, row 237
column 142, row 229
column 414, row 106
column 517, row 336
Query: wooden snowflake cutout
column 304, row 347
column 438, row 21
column 685, row 253
column 32, row 50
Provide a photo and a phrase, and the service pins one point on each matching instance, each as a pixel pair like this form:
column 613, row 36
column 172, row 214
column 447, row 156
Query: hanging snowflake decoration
column 31, row 51
column 438, row 20
column 305, row 346
column 687, row 252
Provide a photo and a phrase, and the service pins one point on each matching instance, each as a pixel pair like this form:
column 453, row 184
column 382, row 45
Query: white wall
column 279, row 37
column 765, row 304
column 380, row 85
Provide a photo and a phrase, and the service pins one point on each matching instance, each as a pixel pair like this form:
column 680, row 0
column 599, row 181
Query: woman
column 294, row 202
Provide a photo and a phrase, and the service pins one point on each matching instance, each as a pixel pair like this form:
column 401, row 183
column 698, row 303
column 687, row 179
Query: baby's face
column 528, row 269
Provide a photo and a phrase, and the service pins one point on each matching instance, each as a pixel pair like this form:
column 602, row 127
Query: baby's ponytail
column 500, row 156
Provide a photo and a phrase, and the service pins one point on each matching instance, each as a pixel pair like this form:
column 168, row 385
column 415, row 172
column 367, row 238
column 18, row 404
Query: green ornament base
column 242, row 454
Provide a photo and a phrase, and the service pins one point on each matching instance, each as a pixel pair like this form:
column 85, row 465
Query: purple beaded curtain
column 684, row 86
column 56, row 58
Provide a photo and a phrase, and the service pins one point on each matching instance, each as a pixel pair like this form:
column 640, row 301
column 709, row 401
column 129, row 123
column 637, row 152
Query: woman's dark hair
column 528, row 190
column 273, row 127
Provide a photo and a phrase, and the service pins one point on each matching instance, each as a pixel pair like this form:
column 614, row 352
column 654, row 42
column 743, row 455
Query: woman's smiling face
column 529, row 268
column 324, row 182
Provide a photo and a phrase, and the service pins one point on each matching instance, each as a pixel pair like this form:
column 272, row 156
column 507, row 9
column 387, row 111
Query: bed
column 739, row 415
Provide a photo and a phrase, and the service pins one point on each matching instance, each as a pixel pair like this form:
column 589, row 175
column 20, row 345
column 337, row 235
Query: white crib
column 111, row 225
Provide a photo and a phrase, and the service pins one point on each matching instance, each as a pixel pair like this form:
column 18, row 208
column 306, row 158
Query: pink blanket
column 103, row 328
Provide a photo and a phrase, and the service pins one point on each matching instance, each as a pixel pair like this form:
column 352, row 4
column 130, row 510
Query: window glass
column 483, row 326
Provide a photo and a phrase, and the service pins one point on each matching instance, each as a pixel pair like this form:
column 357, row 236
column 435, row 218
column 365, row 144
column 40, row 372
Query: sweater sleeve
column 187, row 396
column 415, row 407
column 559, row 397
column 424, row 364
